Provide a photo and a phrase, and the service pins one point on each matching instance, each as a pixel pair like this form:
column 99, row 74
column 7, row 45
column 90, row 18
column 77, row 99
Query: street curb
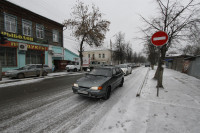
column 140, row 89
column 18, row 80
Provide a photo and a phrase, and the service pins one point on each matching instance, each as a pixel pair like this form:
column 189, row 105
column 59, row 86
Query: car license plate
column 82, row 92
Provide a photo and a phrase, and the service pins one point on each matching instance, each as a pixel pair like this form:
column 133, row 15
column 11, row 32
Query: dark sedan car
column 99, row 82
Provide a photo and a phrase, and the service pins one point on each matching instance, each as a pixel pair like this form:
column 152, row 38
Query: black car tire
column 37, row 73
column 20, row 76
column 121, row 83
column 44, row 74
column 127, row 72
column 75, row 70
column 107, row 95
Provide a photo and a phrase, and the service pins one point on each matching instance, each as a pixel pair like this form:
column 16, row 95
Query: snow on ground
column 176, row 110
column 25, row 81
column 129, row 114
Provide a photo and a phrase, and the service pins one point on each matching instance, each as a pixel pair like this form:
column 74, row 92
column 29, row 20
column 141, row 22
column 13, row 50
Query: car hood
column 91, row 81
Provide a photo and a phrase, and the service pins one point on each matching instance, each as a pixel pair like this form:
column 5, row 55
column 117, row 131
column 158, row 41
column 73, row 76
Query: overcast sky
column 123, row 15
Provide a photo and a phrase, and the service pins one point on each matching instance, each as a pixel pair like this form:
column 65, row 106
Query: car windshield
column 101, row 72
column 25, row 67
column 122, row 66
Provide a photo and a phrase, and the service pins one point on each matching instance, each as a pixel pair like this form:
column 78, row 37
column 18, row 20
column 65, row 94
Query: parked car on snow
column 99, row 82
column 28, row 71
column 147, row 64
column 125, row 68
column 75, row 66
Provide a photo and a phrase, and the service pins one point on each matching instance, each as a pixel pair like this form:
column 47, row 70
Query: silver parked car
column 28, row 71
column 125, row 68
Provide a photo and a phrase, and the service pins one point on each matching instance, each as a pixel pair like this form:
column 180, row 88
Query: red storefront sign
column 29, row 46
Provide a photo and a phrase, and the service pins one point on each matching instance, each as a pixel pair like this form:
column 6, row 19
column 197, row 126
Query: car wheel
column 75, row 70
column 122, row 82
column 20, row 76
column 126, row 72
column 37, row 73
column 44, row 74
column 107, row 95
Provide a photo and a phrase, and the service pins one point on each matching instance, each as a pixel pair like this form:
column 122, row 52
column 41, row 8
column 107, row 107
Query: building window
column 99, row 55
column 93, row 56
column 55, row 36
column 34, row 57
column 8, row 56
column 103, row 55
column 40, row 31
column 27, row 27
column 10, row 23
column 88, row 55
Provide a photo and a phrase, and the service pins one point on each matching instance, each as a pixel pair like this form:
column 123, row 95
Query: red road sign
column 159, row 38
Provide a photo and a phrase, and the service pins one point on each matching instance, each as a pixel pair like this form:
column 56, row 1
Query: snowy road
column 62, row 111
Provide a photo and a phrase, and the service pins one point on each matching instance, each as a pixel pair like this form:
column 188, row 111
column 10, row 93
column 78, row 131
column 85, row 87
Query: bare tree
column 173, row 19
column 129, row 52
column 193, row 38
column 151, row 52
column 87, row 26
column 119, row 53
column 191, row 49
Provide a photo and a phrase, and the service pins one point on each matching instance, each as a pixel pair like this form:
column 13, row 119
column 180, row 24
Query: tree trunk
column 160, row 78
column 152, row 67
column 81, row 52
column 160, row 69
column 157, row 70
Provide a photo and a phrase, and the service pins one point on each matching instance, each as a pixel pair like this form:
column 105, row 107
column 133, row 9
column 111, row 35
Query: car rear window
column 102, row 72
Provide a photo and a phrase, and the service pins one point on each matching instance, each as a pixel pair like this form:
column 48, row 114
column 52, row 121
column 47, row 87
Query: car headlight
column 96, row 88
column 75, row 85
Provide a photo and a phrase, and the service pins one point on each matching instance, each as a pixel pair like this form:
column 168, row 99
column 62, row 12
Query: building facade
column 101, row 57
column 31, row 38
column 69, row 55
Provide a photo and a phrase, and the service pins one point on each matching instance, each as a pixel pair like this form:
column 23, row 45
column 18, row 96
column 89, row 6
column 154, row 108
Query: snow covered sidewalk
column 177, row 109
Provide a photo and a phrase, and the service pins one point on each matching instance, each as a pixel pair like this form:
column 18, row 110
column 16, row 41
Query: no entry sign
column 159, row 38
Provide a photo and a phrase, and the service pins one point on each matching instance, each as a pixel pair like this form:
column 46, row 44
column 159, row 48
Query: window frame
column 93, row 56
column 24, row 21
column 34, row 57
column 55, row 31
column 103, row 56
column 5, row 24
column 5, row 56
column 99, row 55
column 40, row 36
